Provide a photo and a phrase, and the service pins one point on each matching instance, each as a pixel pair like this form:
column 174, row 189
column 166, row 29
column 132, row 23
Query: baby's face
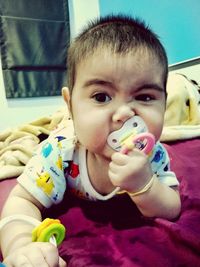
column 110, row 89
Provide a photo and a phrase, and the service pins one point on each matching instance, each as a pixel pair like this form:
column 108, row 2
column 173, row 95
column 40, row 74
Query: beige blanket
column 182, row 121
column 17, row 145
column 182, row 116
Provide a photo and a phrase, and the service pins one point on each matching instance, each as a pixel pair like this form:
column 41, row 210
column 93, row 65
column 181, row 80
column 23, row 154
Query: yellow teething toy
column 47, row 229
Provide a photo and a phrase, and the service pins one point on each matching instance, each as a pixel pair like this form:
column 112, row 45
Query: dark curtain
column 34, row 35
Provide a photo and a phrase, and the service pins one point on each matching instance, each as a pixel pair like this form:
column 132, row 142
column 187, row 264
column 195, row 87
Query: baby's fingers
column 51, row 255
column 32, row 256
column 115, row 174
column 62, row 263
column 39, row 254
column 119, row 158
column 19, row 260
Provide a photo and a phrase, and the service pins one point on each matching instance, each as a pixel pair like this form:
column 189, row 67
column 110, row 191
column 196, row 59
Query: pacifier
column 133, row 133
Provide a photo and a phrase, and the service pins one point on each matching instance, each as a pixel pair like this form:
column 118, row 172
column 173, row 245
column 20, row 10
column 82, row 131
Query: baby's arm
column 159, row 201
column 132, row 172
column 16, row 245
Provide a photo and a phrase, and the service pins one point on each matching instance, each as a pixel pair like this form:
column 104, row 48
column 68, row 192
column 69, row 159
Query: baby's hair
column 120, row 34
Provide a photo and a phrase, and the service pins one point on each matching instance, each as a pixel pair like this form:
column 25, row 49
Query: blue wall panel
column 176, row 22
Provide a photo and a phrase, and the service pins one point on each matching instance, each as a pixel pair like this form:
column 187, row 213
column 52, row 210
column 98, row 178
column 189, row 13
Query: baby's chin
column 104, row 153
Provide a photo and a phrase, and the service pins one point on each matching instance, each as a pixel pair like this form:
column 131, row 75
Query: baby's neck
column 98, row 173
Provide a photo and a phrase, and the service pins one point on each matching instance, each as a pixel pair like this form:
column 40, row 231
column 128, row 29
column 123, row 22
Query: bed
column 98, row 233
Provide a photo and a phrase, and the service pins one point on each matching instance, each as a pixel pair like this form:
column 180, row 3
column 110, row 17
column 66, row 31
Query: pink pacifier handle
column 143, row 139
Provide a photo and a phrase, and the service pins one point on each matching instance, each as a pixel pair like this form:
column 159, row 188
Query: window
column 34, row 36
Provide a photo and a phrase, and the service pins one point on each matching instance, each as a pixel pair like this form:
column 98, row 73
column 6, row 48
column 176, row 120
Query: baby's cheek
column 156, row 129
column 93, row 142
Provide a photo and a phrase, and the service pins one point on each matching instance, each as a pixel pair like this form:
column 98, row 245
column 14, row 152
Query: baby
column 117, row 74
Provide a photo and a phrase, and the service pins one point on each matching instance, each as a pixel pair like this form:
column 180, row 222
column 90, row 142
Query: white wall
column 13, row 112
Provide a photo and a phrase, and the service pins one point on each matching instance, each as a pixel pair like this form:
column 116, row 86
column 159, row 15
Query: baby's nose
column 123, row 113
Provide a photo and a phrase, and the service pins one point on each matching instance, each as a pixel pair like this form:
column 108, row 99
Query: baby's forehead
column 104, row 50
column 135, row 62
column 129, row 69
column 139, row 55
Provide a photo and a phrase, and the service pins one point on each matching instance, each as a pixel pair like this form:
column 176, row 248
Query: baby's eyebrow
column 98, row 82
column 151, row 86
column 109, row 84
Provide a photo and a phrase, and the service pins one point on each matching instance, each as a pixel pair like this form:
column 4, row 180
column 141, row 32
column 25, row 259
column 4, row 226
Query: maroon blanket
column 113, row 233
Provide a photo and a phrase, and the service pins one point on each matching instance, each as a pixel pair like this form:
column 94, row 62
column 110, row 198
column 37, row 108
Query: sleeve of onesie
column 43, row 176
column 160, row 164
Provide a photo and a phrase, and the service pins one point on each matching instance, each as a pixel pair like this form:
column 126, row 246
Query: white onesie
column 59, row 164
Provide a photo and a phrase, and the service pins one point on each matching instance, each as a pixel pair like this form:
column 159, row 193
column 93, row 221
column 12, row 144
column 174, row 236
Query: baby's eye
column 101, row 97
column 145, row 97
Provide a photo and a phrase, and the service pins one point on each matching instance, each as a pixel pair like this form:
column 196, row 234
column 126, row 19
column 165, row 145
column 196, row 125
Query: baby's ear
column 66, row 95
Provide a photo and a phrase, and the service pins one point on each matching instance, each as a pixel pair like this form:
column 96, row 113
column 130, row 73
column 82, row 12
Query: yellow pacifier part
column 47, row 229
column 127, row 140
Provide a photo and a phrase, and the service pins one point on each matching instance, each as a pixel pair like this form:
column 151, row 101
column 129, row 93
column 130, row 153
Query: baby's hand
column 130, row 171
column 36, row 254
